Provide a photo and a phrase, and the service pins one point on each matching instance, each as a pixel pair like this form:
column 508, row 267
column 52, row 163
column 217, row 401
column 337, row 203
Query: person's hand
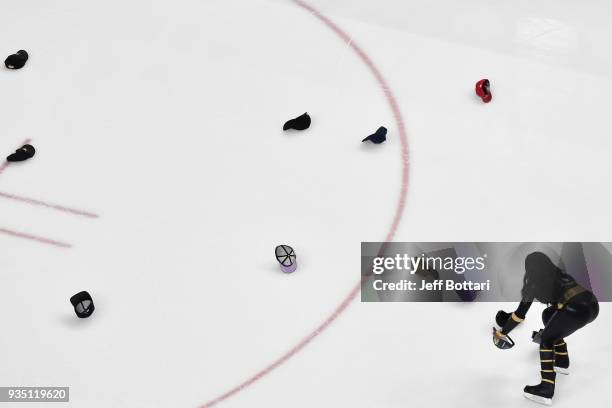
column 502, row 317
column 536, row 336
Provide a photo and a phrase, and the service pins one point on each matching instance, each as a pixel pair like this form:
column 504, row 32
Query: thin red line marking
column 25, row 235
column 48, row 205
column 4, row 165
column 401, row 204
column 34, row 238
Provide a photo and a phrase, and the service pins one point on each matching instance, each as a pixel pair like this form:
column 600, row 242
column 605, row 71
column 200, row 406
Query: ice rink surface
column 159, row 124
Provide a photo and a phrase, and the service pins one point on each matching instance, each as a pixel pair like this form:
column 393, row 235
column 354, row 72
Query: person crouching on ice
column 570, row 307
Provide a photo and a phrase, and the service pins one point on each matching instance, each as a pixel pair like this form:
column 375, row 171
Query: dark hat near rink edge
column 83, row 304
column 17, row 60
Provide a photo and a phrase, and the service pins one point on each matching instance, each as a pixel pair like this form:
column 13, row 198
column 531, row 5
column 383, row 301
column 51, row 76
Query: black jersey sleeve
column 518, row 316
column 523, row 308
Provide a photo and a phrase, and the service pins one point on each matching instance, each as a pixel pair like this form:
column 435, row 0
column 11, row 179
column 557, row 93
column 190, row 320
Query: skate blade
column 538, row 399
column 561, row 370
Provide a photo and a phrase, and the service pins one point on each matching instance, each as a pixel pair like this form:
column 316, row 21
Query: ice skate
column 561, row 358
column 541, row 393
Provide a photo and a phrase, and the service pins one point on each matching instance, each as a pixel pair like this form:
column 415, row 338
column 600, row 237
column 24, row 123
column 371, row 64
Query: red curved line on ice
column 399, row 121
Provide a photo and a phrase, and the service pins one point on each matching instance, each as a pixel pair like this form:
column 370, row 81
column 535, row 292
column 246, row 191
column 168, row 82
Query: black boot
column 541, row 393
column 561, row 358
column 544, row 391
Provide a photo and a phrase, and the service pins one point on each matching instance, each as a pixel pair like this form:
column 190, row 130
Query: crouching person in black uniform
column 570, row 307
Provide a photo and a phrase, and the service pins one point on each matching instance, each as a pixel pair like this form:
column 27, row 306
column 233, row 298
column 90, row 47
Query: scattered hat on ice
column 285, row 255
column 483, row 90
column 302, row 122
column 83, row 304
column 378, row 137
column 17, row 60
column 23, row 153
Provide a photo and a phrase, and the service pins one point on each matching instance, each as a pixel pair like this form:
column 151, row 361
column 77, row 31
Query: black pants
column 581, row 310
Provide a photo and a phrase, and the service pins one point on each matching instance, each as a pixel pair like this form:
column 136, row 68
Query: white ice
column 165, row 118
